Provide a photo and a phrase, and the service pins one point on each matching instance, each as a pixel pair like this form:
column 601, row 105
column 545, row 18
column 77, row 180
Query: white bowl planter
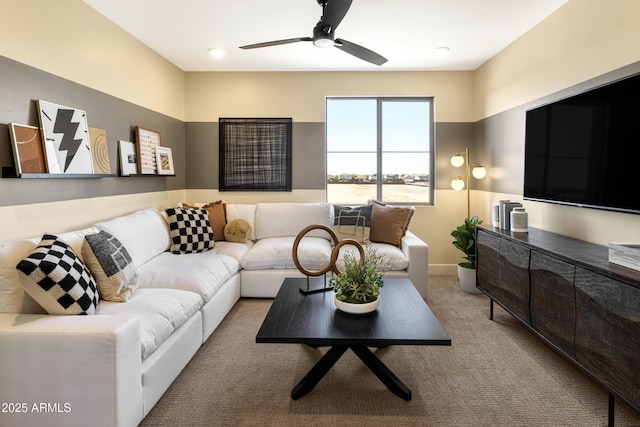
column 356, row 308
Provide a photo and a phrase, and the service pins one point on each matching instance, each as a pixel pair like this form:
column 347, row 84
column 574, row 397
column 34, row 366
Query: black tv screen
column 585, row 150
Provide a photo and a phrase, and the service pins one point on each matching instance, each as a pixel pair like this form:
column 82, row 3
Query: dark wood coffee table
column 403, row 318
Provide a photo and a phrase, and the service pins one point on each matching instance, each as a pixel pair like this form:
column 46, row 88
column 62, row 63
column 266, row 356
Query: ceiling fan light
column 323, row 42
column 441, row 51
column 216, row 53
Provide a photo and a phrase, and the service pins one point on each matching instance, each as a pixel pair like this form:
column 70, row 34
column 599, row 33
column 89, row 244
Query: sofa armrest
column 70, row 370
column 417, row 252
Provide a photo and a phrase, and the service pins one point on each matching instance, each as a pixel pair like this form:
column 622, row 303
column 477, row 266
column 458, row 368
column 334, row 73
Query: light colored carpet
column 494, row 374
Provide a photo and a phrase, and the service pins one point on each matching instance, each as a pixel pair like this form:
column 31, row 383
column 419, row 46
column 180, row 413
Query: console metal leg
column 612, row 410
column 491, row 309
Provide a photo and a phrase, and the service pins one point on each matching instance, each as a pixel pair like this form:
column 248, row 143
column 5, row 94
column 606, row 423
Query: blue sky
column 351, row 126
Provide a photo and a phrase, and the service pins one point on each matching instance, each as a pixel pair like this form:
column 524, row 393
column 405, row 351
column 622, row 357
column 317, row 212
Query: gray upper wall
column 21, row 86
column 309, row 159
column 497, row 142
column 308, row 162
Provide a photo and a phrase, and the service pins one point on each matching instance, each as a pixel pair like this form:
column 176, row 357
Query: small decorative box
column 625, row 254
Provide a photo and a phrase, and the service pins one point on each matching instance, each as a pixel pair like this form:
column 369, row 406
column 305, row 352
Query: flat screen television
column 585, row 150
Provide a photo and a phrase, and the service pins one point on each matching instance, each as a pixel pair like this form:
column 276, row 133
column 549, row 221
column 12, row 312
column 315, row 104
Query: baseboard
column 443, row 269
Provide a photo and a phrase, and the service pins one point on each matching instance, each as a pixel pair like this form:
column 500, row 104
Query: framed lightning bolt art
column 66, row 139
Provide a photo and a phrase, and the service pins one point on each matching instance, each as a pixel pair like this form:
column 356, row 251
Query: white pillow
column 288, row 219
column 13, row 298
column 145, row 234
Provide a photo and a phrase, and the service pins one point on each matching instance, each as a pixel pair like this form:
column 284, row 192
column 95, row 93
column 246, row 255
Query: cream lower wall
column 24, row 221
column 433, row 224
column 592, row 225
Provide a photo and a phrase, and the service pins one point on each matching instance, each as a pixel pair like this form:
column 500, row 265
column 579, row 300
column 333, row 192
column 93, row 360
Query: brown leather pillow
column 389, row 224
column 217, row 217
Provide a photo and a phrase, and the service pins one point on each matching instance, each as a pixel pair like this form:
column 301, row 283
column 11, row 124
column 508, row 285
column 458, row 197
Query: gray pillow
column 352, row 222
column 111, row 265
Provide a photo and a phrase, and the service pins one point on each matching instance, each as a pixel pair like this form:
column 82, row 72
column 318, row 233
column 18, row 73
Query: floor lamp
column 478, row 171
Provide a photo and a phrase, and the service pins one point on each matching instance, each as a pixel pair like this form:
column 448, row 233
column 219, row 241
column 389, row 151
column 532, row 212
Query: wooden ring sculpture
column 336, row 252
column 299, row 237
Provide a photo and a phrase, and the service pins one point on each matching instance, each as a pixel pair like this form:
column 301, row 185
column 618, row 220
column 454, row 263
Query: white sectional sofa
column 110, row 368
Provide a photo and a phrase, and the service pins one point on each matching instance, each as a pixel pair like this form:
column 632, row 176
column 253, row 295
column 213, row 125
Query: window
column 380, row 148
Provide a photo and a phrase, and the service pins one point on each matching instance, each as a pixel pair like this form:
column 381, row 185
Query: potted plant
column 465, row 240
column 358, row 286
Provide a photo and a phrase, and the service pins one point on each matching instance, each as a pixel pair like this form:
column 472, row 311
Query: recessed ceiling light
column 441, row 51
column 216, row 53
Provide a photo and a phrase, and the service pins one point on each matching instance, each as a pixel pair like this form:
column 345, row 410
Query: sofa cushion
column 111, row 265
column 389, row 224
column 161, row 311
column 236, row 250
column 145, row 234
column 190, row 230
column 13, row 298
column 276, row 253
column 57, row 279
column 203, row 273
column 288, row 219
column 352, row 222
column 243, row 211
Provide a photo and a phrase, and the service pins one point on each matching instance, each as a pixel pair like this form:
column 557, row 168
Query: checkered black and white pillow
column 57, row 279
column 190, row 230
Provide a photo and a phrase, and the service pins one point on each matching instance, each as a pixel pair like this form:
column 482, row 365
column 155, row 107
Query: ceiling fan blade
column 277, row 42
column 360, row 52
column 333, row 13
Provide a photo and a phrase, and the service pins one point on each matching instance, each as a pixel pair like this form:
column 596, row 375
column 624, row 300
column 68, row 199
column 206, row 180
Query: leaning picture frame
column 65, row 136
column 164, row 160
column 127, row 155
column 28, row 152
column 146, row 142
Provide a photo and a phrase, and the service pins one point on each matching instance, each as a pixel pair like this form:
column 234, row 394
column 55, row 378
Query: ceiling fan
column 333, row 11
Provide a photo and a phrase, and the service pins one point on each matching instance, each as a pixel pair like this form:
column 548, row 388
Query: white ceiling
column 403, row 31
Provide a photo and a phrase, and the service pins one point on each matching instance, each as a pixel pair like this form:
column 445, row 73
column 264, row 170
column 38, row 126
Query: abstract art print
column 66, row 139
column 99, row 151
column 27, row 149
column 255, row 154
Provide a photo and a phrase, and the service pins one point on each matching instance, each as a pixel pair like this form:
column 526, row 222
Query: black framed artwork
column 255, row 154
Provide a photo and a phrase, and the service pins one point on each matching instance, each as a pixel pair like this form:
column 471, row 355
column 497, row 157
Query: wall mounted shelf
column 138, row 175
column 9, row 172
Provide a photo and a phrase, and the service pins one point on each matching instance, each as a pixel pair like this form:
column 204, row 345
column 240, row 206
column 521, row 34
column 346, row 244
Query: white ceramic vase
column 467, row 277
column 357, row 308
